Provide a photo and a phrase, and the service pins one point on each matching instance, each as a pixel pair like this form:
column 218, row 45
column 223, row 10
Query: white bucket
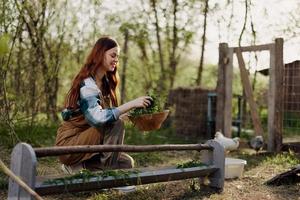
column 234, row 167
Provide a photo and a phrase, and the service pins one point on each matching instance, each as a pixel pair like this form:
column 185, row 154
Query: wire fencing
column 291, row 102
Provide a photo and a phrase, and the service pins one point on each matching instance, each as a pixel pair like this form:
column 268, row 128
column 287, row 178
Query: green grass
column 40, row 134
column 162, row 136
column 43, row 134
column 148, row 158
column 285, row 160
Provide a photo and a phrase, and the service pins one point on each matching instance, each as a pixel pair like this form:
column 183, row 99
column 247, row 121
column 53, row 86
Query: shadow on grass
column 202, row 193
column 177, row 190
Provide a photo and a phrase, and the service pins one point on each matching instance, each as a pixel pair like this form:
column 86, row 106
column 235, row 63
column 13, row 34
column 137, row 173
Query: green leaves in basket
column 153, row 108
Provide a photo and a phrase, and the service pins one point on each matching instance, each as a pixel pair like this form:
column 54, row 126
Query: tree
column 38, row 17
column 161, row 85
column 200, row 69
column 177, row 33
column 125, row 31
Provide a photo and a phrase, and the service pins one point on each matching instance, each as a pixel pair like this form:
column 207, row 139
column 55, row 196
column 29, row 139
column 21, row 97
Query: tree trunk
column 161, row 85
column 125, row 59
column 145, row 62
column 36, row 26
column 244, row 103
column 200, row 69
column 173, row 61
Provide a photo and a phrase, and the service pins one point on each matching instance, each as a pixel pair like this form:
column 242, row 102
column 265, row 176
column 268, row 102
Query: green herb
column 189, row 164
column 85, row 175
column 153, row 108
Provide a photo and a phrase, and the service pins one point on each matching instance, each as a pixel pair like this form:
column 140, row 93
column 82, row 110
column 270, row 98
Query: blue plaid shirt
column 90, row 105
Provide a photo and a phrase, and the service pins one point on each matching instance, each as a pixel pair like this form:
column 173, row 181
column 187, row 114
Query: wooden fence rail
column 55, row 151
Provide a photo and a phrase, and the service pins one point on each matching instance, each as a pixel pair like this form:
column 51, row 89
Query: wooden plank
column 23, row 164
column 263, row 47
column 278, row 118
column 249, row 94
column 133, row 179
column 60, row 150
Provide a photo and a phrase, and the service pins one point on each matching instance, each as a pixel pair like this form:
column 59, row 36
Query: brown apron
column 77, row 131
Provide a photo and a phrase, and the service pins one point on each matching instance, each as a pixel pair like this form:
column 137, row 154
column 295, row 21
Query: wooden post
column 249, row 94
column 275, row 98
column 216, row 158
column 221, row 88
column 23, row 164
column 271, row 100
column 224, row 90
column 228, row 94
column 20, row 182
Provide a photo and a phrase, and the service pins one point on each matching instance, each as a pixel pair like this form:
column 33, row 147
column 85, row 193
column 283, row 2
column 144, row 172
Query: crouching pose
column 92, row 115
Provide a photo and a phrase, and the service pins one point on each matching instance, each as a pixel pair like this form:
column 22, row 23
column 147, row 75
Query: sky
column 269, row 17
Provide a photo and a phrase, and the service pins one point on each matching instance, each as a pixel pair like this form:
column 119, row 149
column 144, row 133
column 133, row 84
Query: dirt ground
column 250, row 186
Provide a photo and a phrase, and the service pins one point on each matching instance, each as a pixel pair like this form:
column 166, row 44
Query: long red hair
column 95, row 60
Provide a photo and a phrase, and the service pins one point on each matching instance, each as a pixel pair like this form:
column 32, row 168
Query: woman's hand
column 141, row 102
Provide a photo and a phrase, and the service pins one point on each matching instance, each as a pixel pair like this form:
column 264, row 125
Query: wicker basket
column 149, row 122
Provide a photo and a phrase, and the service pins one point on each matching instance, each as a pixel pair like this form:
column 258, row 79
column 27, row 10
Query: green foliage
column 285, row 159
column 85, row 175
column 147, row 159
column 153, row 108
column 40, row 134
column 4, row 44
column 102, row 196
column 193, row 163
column 162, row 136
column 187, row 74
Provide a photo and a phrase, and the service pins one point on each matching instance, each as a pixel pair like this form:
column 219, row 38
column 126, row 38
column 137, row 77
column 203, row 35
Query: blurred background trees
column 43, row 44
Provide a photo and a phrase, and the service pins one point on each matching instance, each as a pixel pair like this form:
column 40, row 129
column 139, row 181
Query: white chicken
column 229, row 144
column 257, row 143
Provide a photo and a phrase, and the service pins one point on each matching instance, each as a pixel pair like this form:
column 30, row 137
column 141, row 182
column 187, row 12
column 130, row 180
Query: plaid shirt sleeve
column 90, row 105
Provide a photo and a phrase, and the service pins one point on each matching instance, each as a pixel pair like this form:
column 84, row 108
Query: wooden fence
column 191, row 110
column 24, row 163
column 275, row 97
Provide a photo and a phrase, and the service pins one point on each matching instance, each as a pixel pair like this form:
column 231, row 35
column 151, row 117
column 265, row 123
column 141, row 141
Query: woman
column 92, row 114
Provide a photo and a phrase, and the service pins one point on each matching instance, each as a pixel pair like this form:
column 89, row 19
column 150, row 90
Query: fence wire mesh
column 291, row 99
